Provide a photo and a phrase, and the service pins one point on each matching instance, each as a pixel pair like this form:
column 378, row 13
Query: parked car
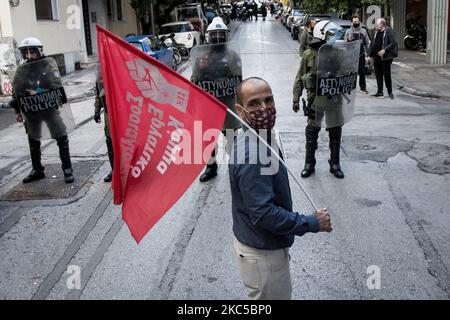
column 297, row 19
column 295, row 14
column 184, row 31
column 153, row 46
column 194, row 14
column 347, row 24
column 284, row 15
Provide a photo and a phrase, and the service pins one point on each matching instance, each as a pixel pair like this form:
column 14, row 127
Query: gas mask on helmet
column 215, row 37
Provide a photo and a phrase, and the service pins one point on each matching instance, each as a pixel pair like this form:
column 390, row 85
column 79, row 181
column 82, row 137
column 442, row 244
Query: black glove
column 296, row 107
column 97, row 117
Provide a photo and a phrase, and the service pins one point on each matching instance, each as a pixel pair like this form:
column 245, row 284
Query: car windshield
column 175, row 28
column 297, row 13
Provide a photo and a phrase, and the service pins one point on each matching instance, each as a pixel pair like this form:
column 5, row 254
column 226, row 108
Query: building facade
column 67, row 29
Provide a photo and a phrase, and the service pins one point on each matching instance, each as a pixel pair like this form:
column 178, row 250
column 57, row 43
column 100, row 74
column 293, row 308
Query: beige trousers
column 265, row 273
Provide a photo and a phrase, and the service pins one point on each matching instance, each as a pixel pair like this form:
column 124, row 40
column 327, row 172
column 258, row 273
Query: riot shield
column 39, row 91
column 337, row 73
column 217, row 69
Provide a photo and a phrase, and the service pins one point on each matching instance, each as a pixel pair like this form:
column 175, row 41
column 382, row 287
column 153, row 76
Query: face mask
column 262, row 118
column 356, row 25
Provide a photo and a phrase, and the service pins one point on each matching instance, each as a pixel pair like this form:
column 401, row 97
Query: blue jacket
column 262, row 203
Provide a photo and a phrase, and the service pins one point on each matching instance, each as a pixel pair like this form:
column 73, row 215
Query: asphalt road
column 390, row 213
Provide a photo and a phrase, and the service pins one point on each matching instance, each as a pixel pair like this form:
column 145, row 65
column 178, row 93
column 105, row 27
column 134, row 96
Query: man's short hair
column 355, row 17
column 239, row 88
column 382, row 21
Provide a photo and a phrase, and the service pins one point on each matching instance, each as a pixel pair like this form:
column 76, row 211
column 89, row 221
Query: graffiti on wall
column 9, row 59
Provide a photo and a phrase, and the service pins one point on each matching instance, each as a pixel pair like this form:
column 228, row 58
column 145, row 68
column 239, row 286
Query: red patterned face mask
column 262, row 118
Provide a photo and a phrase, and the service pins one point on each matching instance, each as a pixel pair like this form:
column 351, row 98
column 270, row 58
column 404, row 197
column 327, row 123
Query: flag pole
column 300, row 185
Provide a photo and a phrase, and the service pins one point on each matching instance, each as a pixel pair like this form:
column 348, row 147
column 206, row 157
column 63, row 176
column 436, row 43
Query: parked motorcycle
column 176, row 46
column 416, row 38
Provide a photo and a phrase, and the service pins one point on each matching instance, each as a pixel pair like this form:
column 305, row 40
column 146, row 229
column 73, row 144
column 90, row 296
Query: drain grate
column 53, row 186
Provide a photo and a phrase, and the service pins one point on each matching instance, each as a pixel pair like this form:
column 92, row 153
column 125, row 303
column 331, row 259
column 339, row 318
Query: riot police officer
column 218, row 70
column 99, row 104
column 317, row 107
column 38, row 97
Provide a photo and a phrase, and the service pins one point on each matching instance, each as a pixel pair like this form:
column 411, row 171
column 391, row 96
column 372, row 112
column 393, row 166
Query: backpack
column 395, row 49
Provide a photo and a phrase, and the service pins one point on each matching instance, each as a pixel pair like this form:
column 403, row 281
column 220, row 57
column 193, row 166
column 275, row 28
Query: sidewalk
column 411, row 74
column 80, row 85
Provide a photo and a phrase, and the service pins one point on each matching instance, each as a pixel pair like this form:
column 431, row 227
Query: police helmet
column 326, row 30
column 217, row 31
column 31, row 43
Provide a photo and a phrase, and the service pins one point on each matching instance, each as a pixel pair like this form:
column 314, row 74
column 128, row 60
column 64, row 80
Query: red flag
column 151, row 112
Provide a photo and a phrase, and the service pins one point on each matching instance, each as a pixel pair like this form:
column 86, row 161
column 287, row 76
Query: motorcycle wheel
column 177, row 57
column 411, row 43
column 184, row 53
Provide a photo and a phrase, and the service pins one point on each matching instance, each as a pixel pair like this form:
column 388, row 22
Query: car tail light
column 189, row 36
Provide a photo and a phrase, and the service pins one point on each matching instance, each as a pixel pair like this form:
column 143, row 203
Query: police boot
column 64, row 155
column 37, row 172
column 312, row 134
column 210, row 172
column 335, row 148
column 108, row 177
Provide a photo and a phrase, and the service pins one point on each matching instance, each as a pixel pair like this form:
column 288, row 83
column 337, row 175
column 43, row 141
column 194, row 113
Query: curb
column 420, row 93
column 81, row 97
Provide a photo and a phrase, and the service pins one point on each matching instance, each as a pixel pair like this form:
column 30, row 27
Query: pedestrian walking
column 145, row 23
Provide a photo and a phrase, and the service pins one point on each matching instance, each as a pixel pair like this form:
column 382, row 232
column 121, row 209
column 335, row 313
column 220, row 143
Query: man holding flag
column 264, row 224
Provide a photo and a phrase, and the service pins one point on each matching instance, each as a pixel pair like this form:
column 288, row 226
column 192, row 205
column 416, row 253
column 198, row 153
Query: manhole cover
column 53, row 186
